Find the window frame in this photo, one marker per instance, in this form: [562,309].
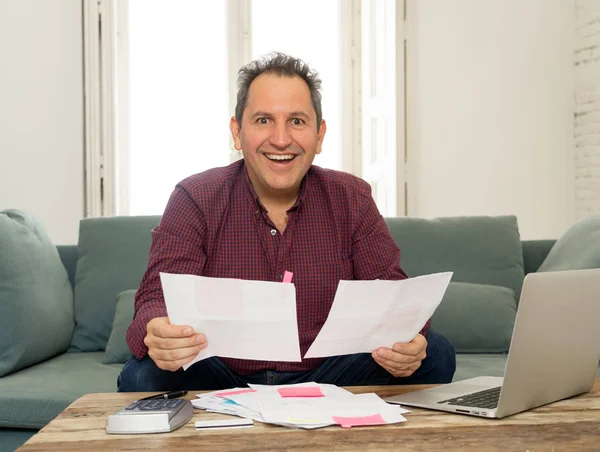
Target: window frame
[106,126]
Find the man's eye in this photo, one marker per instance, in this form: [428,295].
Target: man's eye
[297,121]
[263,121]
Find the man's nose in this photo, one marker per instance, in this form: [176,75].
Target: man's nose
[280,137]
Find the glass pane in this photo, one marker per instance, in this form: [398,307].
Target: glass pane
[297,29]
[178,96]
[378,132]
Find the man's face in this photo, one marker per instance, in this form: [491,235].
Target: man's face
[278,135]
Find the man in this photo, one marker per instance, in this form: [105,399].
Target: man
[270,212]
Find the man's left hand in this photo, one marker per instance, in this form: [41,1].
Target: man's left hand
[403,359]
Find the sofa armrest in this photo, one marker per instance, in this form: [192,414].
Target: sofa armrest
[534,253]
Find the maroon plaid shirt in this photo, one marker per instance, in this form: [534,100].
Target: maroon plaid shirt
[214,225]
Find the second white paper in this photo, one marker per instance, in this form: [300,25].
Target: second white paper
[240,318]
[366,315]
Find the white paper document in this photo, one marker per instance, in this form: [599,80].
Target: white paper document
[304,405]
[257,319]
[235,401]
[316,412]
[366,315]
[240,318]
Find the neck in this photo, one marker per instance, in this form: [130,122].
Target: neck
[279,203]
[276,200]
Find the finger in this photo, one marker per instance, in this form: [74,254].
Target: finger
[172,365]
[176,355]
[387,354]
[166,330]
[414,347]
[395,361]
[172,344]
[404,370]
[406,348]
[404,373]
[161,327]
[397,366]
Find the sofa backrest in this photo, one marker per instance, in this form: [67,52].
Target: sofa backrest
[68,255]
[112,255]
[534,252]
[477,249]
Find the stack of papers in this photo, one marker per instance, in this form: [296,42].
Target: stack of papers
[304,405]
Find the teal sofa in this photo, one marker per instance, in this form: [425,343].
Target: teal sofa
[486,254]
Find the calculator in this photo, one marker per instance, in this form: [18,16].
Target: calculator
[150,416]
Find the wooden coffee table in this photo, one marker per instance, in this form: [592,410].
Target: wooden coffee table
[572,424]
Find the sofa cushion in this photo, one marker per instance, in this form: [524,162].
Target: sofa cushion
[578,248]
[112,257]
[36,298]
[476,318]
[34,396]
[13,438]
[481,250]
[117,350]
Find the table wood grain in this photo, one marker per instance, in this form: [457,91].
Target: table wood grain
[571,425]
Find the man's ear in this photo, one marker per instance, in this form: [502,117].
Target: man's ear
[235,133]
[321,135]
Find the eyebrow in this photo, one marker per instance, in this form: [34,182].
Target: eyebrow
[293,114]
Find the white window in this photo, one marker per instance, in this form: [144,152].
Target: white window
[161,89]
[382,146]
[178,90]
[321,50]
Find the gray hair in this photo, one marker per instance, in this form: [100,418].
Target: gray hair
[281,65]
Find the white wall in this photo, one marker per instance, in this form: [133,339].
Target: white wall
[41,112]
[587,107]
[490,111]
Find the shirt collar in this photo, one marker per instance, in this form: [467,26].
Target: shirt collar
[256,200]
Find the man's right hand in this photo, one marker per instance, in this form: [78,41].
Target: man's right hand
[172,346]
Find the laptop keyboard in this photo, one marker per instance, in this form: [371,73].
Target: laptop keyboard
[482,399]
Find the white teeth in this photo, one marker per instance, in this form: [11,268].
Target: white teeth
[279,156]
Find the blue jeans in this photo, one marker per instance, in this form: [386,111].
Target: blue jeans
[347,370]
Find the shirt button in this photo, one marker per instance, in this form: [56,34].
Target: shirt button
[273,231]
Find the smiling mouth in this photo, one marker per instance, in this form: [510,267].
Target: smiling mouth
[280,157]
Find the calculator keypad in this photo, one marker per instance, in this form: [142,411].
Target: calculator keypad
[159,405]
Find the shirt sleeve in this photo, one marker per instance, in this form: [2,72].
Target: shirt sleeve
[375,253]
[177,247]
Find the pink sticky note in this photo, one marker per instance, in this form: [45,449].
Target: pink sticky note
[237,391]
[287,276]
[348,422]
[301,391]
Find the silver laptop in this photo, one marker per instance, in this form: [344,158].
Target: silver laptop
[554,351]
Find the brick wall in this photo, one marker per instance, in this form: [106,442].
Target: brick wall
[587,107]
